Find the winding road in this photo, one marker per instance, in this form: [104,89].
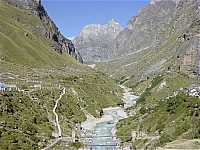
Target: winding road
[54,111]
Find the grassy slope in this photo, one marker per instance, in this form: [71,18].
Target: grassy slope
[28,60]
[171,119]
[22,125]
[140,65]
[133,72]
[32,50]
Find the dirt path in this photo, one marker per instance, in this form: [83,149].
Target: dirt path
[54,111]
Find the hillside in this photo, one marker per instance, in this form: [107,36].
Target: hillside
[172,119]
[35,74]
[162,61]
[23,43]
[162,37]
[60,43]
[157,55]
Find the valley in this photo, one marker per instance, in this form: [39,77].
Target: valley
[133,87]
[43,88]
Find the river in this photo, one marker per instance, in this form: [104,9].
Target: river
[100,129]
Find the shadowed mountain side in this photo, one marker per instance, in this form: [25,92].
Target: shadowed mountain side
[59,42]
[41,82]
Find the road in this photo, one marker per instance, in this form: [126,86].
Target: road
[54,111]
[52,144]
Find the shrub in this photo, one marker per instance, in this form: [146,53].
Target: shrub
[166,138]
[147,92]
[75,144]
[143,110]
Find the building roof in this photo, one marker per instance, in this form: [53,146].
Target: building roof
[11,85]
[2,85]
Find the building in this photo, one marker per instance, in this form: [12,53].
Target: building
[11,87]
[2,86]
[37,86]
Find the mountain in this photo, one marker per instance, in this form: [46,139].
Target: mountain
[157,55]
[156,1]
[60,43]
[95,40]
[163,36]
[38,75]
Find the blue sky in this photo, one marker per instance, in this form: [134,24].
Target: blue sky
[70,16]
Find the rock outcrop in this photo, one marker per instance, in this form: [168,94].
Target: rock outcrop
[60,43]
[155,1]
[95,40]
[161,37]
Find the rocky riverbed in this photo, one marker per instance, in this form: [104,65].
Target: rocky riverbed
[102,129]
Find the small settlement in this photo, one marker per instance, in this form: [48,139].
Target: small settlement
[8,87]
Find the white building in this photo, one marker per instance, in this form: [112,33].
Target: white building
[2,86]
[11,87]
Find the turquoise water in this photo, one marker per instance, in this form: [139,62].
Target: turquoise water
[104,129]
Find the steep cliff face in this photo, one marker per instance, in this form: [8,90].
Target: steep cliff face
[60,43]
[95,41]
[161,37]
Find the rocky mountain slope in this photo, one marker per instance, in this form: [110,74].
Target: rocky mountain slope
[35,75]
[162,37]
[157,55]
[95,41]
[59,42]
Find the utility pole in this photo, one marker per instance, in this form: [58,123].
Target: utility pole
[73,136]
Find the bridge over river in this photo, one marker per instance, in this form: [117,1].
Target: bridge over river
[87,141]
[98,134]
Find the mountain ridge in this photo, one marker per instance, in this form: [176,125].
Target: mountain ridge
[156,55]
[61,43]
[94,40]
[153,32]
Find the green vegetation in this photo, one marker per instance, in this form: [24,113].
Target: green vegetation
[27,120]
[159,113]
[173,118]
[85,93]
[125,126]
[75,144]
[121,80]
[70,145]
[170,118]
[147,92]
[22,41]
[27,60]
[24,124]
